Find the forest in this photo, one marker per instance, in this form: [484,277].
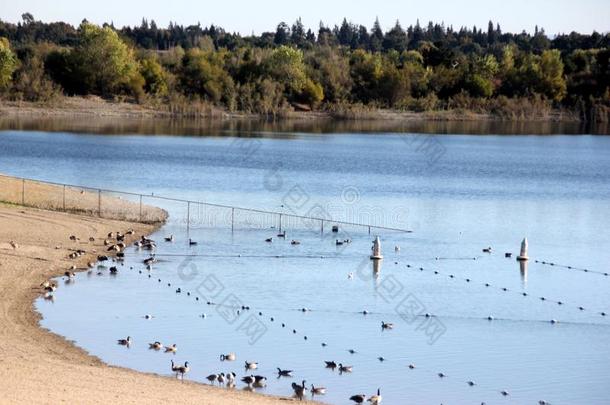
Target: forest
[344,69]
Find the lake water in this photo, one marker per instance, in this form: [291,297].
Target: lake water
[457,193]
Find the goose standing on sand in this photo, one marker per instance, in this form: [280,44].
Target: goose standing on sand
[125,342]
[376,399]
[231,379]
[260,381]
[182,370]
[317,390]
[299,390]
[212,378]
[221,378]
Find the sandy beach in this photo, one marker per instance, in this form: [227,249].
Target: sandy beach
[37,366]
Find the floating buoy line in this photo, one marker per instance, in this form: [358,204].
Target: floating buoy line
[565,266]
[505,289]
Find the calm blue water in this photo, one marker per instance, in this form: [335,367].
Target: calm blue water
[458,194]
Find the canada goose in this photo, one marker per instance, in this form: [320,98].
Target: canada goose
[114,270]
[46,284]
[91,265]
[338,242]
[130,232]
[471,383]
[227,357]
[171,349]
[249,380]
[412,366]
[102,258]
[376,399]
[192,242]
[442,375]
[317,390]
[299,390]
[284,373]
[330,364]
[148,316]
[508,255]
[50,288]
[269,240]
[221,378]
[155,346]
[124,342]
[487,250]
[13,245]
[295,242]
[73,238]
[260,381]
[212,378]
[358,398]
[169,238]
[182,370]
[385,325]
[231,378]
[251,365]
[70,274]
[504,392]
[111,235]
[120,237]
[345,369]
[352,351]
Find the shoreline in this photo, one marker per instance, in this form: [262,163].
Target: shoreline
[39,366]
[91,106]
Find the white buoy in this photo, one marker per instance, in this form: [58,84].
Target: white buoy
[376,250]
[523,254]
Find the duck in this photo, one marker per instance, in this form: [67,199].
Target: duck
[299,390]
[284,373]
[269,240]
[171,349]
[124,342]
[317,390]
[386,325]
[331,364]
[155,346]
[251,365]
[192,242]
[471,383]
[227,357]
[359,398]
[504,393]
[169,238]
[345,369]
[375,399]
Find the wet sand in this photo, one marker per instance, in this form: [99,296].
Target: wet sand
[37,366]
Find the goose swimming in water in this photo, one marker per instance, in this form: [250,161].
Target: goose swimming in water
[330,364]
[487,250]
[295,242]
[124,342]
[345,369]
[386,325]
[169,238]
[284,373]
[228,357]
[269,240]
[359,398]
[250,365]
[376,399]
[155,346]
[192,242]
[171,349]
[317,390]
[281,234]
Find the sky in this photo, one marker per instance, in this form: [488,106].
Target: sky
[252,16]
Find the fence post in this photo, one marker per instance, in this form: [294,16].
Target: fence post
[232,216]
[140,207]
[22,191]
[64,198]
[99,203]
[188,216]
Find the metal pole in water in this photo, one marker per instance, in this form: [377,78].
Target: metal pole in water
[322,226]
[369,230]
[232,216]
[280,222]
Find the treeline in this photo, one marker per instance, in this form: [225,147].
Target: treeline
[346,67]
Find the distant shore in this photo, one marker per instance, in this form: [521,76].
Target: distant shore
[97,107]
[38,366]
